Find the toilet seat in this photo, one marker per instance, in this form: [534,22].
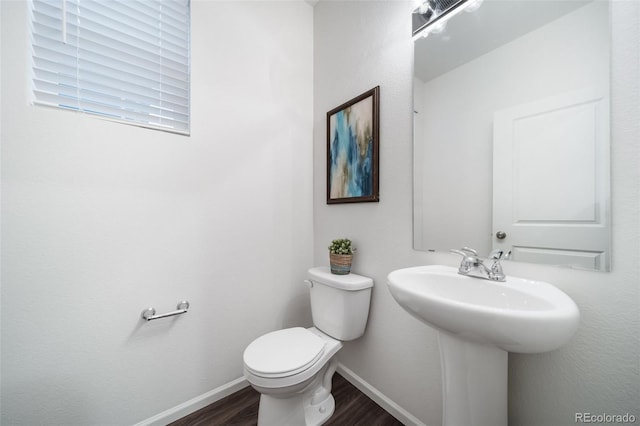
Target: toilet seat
[283,353]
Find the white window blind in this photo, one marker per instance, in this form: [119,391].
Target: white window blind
[126,60]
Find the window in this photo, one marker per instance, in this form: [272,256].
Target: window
[125,60]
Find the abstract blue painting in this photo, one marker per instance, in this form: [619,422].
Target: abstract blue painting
[352,150]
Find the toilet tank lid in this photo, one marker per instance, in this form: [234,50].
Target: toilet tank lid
[349,282]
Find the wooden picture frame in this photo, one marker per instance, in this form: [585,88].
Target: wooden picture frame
[353,150]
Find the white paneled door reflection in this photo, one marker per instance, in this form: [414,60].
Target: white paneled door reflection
[551,180]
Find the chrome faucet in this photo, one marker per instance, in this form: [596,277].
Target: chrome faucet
[472,266]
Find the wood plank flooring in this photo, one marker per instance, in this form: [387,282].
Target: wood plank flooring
[353,408]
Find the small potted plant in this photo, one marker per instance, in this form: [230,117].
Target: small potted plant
[340,256]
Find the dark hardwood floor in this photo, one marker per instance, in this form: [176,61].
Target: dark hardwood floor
[353,408]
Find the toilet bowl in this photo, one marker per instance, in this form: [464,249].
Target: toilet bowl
[292,368]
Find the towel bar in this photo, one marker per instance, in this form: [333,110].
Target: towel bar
[150,313]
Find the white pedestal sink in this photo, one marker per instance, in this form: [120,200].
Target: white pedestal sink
[478,322]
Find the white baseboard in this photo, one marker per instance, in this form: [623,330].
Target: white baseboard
[194,404]
[378,397]
[227,389]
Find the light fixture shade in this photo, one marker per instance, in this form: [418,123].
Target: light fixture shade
[433,11]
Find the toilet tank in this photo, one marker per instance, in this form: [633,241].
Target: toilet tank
[339,303]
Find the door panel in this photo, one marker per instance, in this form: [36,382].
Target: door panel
[547,212]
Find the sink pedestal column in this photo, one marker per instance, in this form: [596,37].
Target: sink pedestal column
[474,380]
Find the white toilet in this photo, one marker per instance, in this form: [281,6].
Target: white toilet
[292,368]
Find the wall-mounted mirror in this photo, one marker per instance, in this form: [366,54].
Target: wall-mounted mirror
[511,132]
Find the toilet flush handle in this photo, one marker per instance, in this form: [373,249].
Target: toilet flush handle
[309,283]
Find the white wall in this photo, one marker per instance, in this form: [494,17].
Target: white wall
[356,48]
[101,220]
[503,78]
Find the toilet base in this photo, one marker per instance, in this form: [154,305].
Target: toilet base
[313,405]
[319,413]
[294,411]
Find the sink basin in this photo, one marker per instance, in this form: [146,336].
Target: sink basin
[478,322]
[518,315]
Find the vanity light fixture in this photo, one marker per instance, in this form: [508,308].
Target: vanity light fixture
[473,5]
[431,16]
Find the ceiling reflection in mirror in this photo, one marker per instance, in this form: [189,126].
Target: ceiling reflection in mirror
[511,132]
